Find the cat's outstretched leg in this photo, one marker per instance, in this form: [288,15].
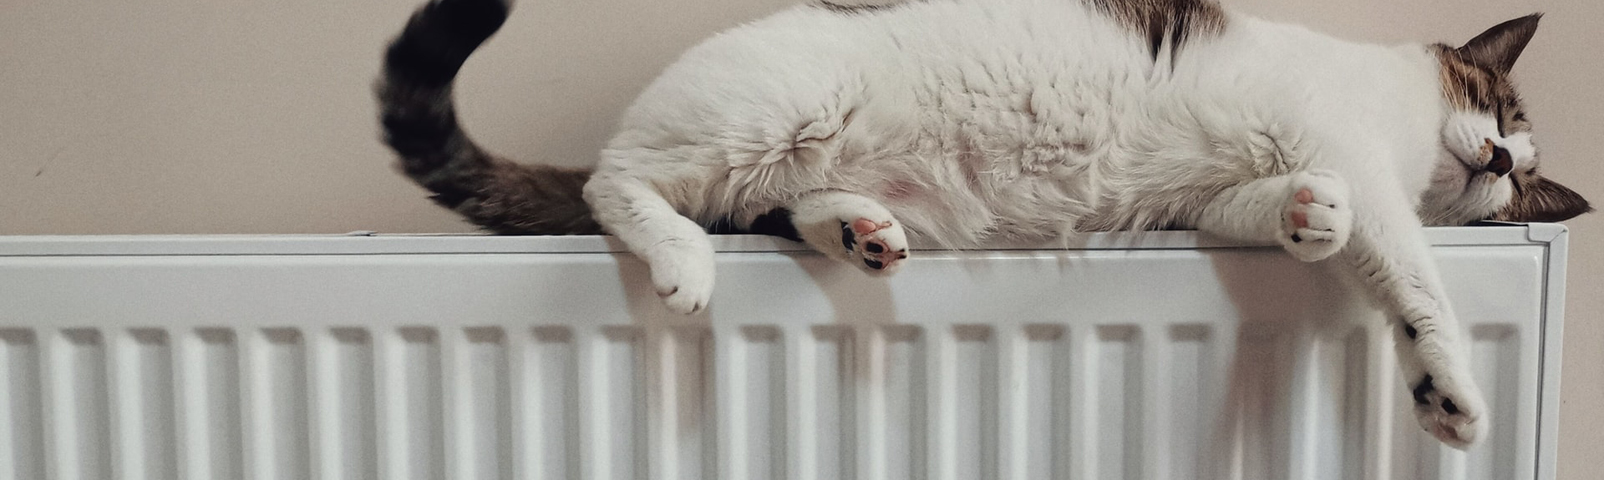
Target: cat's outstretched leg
[851,228]
[1376,233]
[678,251]
[1307,212]
[1389,252]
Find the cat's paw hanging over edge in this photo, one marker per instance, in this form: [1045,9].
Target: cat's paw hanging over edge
[684,281]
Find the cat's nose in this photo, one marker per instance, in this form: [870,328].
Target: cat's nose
[1501,163]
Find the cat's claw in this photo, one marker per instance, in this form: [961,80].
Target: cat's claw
[879,247]
[1316,221]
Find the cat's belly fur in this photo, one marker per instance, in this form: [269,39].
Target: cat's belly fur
[1051,120]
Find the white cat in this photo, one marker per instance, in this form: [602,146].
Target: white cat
[955,122]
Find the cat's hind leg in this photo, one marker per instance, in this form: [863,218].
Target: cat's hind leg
[1306,212]
[676,249]
[851,228]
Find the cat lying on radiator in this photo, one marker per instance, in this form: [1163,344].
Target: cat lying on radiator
[955,122]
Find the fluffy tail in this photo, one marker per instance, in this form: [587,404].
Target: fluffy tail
[420,124]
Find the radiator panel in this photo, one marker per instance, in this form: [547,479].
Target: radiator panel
[1094,363]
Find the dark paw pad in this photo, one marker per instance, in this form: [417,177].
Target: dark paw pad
[1448,406]
[1296,238]
[875,264]
[848,239]
[1422,389]
[874,247]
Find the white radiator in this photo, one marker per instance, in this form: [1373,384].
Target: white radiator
[1126,356]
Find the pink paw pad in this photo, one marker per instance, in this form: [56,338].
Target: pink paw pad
[1299,217]
[864,226]
[1304,196]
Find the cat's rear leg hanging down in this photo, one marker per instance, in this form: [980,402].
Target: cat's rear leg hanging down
[851,228]
[677,250]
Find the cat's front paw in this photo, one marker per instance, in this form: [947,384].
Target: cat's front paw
[877,247]
[684,279]
[1316,220]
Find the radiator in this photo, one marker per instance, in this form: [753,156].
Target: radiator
[1161,355]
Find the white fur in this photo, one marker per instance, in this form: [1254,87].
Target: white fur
[977,120]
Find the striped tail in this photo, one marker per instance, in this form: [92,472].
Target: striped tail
[420,124]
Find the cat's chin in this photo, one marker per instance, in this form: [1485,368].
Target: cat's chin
[1479,199]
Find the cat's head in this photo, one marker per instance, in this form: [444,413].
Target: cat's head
[1488,166]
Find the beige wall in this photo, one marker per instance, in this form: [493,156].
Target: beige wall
[190,116]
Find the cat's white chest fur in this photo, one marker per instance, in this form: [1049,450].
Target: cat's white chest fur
[970,120]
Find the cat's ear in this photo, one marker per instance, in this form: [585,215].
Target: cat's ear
[1538,199]
[1497,48]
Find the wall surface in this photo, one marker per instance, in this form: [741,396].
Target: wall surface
[188,116]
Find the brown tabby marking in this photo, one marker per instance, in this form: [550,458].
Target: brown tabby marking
[858,8]
[1473,88]
[1538,199]
[1166,21]
[1157,21]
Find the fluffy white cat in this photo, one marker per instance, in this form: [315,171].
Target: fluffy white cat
[951,123]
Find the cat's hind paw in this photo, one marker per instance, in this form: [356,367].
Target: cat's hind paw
[853,229]
[1316,221]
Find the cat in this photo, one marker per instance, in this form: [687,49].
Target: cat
[951,123]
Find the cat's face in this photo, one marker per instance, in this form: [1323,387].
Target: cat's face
[1487,167]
